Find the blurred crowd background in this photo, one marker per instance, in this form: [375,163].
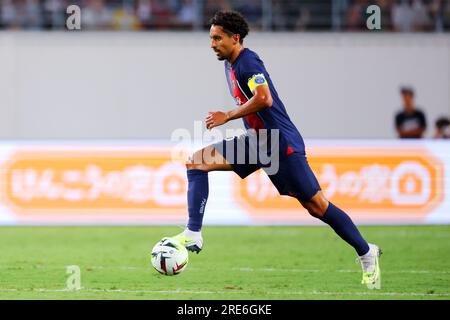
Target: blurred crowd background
[267,15]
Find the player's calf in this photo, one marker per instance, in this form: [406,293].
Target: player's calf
[198,166]
[337,219]
[317,206]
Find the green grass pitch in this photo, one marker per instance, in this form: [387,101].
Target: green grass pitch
[236,263]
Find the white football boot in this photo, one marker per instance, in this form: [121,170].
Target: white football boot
[370,263]
[192,240]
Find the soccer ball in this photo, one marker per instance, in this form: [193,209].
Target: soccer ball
[169,257]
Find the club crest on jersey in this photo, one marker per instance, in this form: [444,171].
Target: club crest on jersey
[260,80]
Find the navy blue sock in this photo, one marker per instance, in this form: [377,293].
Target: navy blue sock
[345,228]
[197,195]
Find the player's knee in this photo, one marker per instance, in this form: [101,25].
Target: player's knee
[195,166]
[314,211]
[316,207]
[196,162]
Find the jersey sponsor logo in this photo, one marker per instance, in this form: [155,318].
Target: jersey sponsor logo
[233,84]
[238,95]
[260,80]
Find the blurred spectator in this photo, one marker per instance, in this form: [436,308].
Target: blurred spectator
[442,126]
[252,11]
[422,21]
[32,17]
[211,7]
[124,18]
[410,15]
[304,19]
[22,14]
[356,16]
[386,14]
[186,14]
[402,17]
[96,15]
[285,15]
[436,10]
[314,15]
[446,17]
[411,122]
[7,14]
[55,13]
[144,12]
[163,14]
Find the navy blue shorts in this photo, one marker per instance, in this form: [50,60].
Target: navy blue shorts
[294,176]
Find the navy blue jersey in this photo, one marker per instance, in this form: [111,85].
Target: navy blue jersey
[244,75]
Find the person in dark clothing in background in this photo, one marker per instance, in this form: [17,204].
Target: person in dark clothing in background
[410,123]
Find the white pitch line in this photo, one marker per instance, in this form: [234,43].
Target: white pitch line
[362,293]
[404,234]
[8,290]
[116,267]
[403,271]
[241,269]
[65,266]
[179,291]
[247,269]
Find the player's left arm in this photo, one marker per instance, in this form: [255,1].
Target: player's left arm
[261,100]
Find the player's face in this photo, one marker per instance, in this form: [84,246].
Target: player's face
[222,43]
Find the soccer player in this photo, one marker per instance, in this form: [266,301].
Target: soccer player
[261,109]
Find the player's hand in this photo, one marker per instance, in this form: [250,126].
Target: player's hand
[215,119]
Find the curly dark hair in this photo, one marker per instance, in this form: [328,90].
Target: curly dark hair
[232,22]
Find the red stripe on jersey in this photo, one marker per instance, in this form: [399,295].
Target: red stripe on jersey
[289,150]
[253,120]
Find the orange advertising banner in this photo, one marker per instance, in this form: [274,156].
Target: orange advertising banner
[135,183]
[90,182]
[371,183]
